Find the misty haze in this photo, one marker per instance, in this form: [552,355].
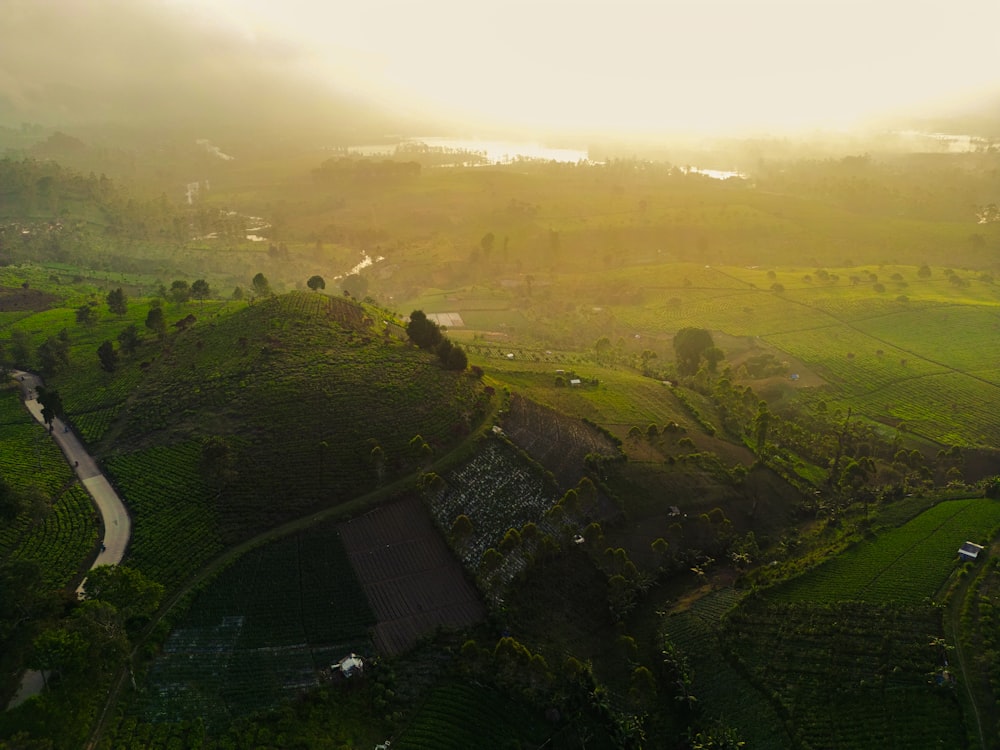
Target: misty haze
[396,376]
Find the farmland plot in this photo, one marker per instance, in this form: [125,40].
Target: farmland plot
[175,524]
[62,539]
[557,441]
[721,690]
[261,632]
[413,583]
[852,675]
[908,564]
[498,491]
[462,716]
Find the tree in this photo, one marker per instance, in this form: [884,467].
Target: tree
[20,346]
[156,322]
[238,293]
[51,402]
[355,285]
[108,356]
[457,359]
[53,354]
[924,271]
[423,332]
[217,461]
[486,244]
[200,290]
[316,283]
[128,339]
[713,355]
[59,650]
[180,291]
[261,286]
[86,315]
[689,345]
[117,301]
[135,596]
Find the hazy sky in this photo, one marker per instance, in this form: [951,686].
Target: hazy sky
[583,65]
[644,63]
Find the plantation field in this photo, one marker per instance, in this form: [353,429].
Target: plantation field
[62,538]
[949,408]
[413,583]
[261,632]
[303,391]
[558,442]
[459,716]
[621,399]
[849,675]
[906,565]
[720,690]
[498,491]
[174,520]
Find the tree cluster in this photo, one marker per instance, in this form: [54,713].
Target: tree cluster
[427,334]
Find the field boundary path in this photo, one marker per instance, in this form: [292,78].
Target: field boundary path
[114,517]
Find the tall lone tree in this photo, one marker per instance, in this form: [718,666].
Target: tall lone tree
[108,356]
[117,301]
[422,331]
[689,346]
[200,290]
[51,402]
[156,322]
[261,286]
[316,283]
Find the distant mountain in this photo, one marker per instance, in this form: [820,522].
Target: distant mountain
[144,65]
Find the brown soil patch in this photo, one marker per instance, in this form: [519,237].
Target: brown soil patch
[15,299]
[413,583]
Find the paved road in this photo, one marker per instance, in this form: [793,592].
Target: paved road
[116,521]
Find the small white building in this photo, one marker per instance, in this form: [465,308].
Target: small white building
[349,666]
[969,551]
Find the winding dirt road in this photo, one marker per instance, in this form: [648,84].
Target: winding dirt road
[114,517]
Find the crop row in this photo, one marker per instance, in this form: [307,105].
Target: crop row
[954,335]
[463,716]
[720,690]
[908,564]
[944,407]
[860,363]
[869,662]
[60,542]
[174,526]
[61,530]
[261,631]
[497,491]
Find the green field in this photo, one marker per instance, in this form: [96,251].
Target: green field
[849,675]
[262,631]
[457,716]
[65,533]
[907,565]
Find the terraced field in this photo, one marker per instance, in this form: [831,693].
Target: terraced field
[62,538]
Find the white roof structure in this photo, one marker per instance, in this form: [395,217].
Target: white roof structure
[350,665]
[970,550]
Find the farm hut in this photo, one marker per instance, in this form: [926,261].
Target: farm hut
[969,551]
[574,381]
[350,665]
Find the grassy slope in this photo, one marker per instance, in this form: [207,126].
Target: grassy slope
[299,386]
